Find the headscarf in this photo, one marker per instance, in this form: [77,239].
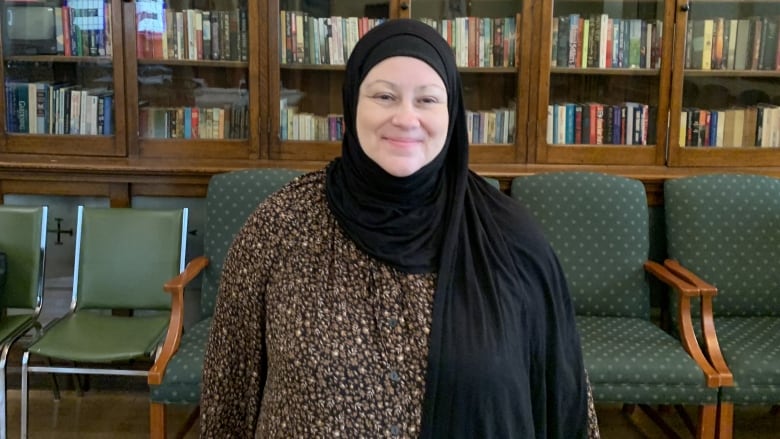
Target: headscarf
[445,219]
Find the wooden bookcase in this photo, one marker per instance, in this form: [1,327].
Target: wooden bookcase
[491,85]
[92,68]
[512,98]
[725,79]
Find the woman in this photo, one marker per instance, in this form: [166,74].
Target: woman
[395,293]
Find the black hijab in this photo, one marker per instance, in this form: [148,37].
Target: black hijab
[498,283]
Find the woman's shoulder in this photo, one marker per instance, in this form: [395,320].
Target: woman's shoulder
[298,194]
[294,205]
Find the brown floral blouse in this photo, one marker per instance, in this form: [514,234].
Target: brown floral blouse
[311,337]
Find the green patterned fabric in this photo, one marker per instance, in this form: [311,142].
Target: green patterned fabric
[181,383]
[598,226]
[726,229]
[230,199]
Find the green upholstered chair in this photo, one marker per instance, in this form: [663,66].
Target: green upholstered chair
[493,182]
[175,377]
[23,240]
[123,258]
[598,227]
[723,234]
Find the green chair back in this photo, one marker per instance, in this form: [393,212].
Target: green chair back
[23,239]
[124,256]
[231,198]
[597,225]
[726,228]
[493,182]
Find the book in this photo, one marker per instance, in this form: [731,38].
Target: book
[707,48]
[742,44]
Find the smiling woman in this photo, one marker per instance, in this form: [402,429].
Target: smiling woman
[395,293]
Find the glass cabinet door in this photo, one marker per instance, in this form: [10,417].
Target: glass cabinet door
[605,82]
[486,40]
[61,63]
[315,38]
[192,61]
[728,110]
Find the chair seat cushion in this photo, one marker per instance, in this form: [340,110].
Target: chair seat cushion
[90,337]
[751,347]
[182,380]
[631,360]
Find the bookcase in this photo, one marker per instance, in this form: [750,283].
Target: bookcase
[170,92]
[725,108]
[63,71]
[604,79]
[315,38]
[195,87]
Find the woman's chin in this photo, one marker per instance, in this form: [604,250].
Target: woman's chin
[401,168]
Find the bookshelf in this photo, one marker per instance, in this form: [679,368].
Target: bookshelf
[604,78]
[262,102]
[194,86]
[725,108]
[487,38]
[50,74]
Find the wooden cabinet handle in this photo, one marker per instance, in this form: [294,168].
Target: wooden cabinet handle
[404,6]
[686,7]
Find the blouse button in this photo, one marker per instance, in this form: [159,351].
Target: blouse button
[395,430]
[394,376]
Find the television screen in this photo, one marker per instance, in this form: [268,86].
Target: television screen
[30,22]
[30,30]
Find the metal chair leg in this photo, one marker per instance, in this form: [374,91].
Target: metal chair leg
[24,395]
[3,398]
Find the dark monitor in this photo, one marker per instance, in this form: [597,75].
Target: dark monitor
[29,30]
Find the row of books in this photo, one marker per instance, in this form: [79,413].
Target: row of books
[480,41]
[305,39]
[733,44]
[226,122]
[83,28]
[629,123]
[753,126]
[190,34]
[601,41]
[476,41]
[295,125]
[58,108]
[494,126]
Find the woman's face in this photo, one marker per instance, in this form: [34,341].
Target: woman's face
[402,115]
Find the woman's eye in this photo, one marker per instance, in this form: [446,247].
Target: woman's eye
[383,96]
[429,100]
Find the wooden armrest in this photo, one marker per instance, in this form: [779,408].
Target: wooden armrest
[686,290]
[705,288]
[680,284]
[707,292]
[170,345]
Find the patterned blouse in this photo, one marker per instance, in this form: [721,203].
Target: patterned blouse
[311,337]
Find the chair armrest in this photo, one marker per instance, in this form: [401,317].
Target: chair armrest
[685,291]
[708,291]
[170,345]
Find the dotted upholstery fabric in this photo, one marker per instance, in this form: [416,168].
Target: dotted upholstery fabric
[726,229]
[230,199]
[598,226]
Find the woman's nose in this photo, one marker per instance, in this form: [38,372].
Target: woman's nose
[406,115]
